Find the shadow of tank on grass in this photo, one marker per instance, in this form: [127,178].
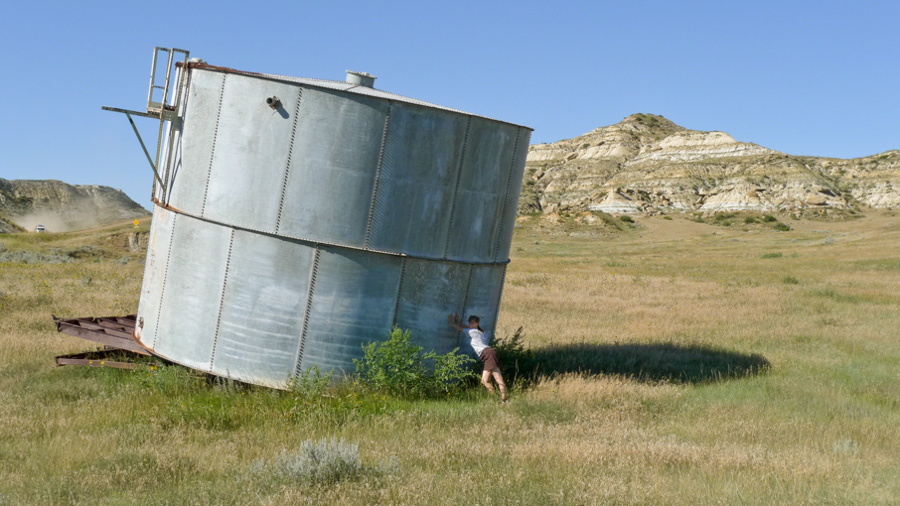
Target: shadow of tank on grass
[655,362]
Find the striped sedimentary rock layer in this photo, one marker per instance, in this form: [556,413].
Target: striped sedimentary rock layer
[647,164]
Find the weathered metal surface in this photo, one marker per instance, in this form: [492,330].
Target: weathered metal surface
[291,235]
[113,331]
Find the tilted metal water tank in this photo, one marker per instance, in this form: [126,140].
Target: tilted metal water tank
[297,219]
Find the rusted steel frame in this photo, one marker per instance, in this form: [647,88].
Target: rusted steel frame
[97,326]
[206,66]
[95,363]
[116,334]
[100,358]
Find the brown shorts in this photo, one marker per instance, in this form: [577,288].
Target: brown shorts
[489,357]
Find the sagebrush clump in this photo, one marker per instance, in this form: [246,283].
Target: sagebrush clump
[327,461]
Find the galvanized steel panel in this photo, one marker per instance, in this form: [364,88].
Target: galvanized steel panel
[252,151]
[482,186]
[158,247]
[332,173]
[416,181]
[353,301]
[510,204]
[193,157]
[189,310]
[429,291]
[262,308]
[483,296]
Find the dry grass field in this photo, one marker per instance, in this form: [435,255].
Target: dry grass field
[677,363]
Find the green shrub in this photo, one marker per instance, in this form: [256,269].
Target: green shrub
[667,218]
[781,227]
[749,220]
[768,218]
[515,359]
[774,254]
[790,280]
[29,257]
[310,383]
[399,367]
[627,219]
[609,220]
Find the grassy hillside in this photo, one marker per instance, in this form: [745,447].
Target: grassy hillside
[678,362]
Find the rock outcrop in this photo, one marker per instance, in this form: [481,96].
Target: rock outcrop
[647,164]
[61,207]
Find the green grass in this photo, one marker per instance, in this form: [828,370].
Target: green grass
[675,363]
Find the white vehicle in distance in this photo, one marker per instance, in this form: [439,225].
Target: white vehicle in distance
[40,228]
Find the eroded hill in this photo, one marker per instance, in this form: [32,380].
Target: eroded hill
[61,207]
[648,164]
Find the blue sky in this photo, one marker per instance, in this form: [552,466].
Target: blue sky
[805,78]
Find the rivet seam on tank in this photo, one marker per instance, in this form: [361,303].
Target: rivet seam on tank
[465,302]
[459,169]
[290,157]
[212,355]
[162,289]
[212,152]
[509,174]
[497,304]
[322,243]
[309,295]
[399,291]
[387,122]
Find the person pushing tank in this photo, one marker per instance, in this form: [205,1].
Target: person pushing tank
[487,354]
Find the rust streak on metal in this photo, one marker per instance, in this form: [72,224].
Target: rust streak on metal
[167,206]
[206,66]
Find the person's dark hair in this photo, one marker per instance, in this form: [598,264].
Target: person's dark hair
[473,318]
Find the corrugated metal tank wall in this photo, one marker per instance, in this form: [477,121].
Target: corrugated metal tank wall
[292,236]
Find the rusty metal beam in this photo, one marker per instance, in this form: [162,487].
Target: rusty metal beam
[113,331]
[95,363]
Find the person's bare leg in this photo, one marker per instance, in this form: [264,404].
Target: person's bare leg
[486,381]
[498,377]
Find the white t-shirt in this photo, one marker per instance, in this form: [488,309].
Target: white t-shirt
[477,340]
